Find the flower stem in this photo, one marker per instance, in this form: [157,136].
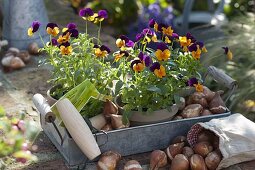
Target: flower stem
[98,34]
[86,27]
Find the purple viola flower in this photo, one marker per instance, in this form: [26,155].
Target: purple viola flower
[66,44]
[151,23]
[54,42]
[193,47]
[154,66]
[51,25]
[200,44]
[147,31]
[175,35]
[105,48]
[190,36]
[96,46]
[133,62]
[225,50]
[147,60]
[86,12]
[35,26]
[140,56]
[192,81]
[125,53]
[125,38]
[162,46]
[130,43]
[102,14]
[71,26]
[74,33]
[139,37]
[160,26]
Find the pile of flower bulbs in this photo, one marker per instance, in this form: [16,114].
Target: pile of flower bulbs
[202,103]
[205,155]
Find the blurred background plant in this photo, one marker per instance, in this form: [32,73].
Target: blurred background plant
[241,41]
[16,136]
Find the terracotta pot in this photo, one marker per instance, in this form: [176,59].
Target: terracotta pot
[143,118]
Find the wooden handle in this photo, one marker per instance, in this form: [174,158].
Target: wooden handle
[78,128]
[43,108]
[221,77]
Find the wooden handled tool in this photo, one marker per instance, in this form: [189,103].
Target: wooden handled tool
[44,108]
[78,128]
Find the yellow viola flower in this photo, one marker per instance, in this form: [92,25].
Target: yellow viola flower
[199,87]
[52,29]
[120,43]
[167,40]
[184,41]
[162,55]
[66,50]
[228,53]
[167,31]
[101,51]
[34,27]
[196,54]
[161,72]
[137,65]
[64,38]
[154,38]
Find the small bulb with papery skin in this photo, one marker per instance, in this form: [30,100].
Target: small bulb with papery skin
[109,108]
[203,148]
[197,162]
[180,162]
[117,122]
[213,160]
[179,139]
[108,161]
[158,159]
[187,151]
[174,149]
[133,165]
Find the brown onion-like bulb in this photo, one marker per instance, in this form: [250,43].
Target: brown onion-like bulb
[197,162]
[203,148]
[133,165]
[174,149]
[108,160]
[179,139]
[213,159]
[187,151]
[180,162]
[158,159]
[192,110]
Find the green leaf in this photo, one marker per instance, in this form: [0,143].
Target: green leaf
[177,99]
[118,86]
[154,89]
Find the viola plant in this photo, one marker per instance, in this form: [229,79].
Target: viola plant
[16,135]
[76,56]
[151,78]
